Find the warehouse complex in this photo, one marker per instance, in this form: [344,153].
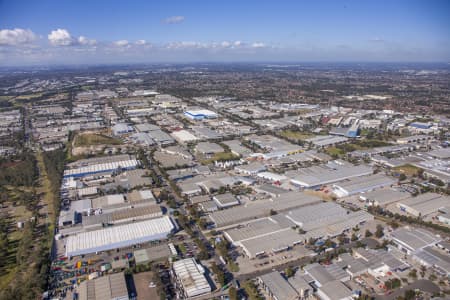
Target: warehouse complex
[276,233]
[262,208]
[119,236]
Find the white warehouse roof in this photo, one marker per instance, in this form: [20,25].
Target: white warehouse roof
[118,236]
[191,277]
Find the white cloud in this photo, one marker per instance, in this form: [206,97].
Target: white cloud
[258,45]
[121,43]
[60,37]
[141,42]
[174,20]
[17,36]
[82,40]
[225,44]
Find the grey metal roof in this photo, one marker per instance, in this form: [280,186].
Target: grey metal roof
[335,290]
[278,286]
[414,239]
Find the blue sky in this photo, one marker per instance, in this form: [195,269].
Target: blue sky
[94,31]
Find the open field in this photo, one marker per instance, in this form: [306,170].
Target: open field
[93,139]
[295,135]
[408,170]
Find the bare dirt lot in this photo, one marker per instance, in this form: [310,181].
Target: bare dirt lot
[141,282]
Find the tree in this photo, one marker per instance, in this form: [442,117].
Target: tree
[413,273]
[289,272]
[232,293]
[379,233]
[368,233]
[402,177]
[354,237]
[409,295]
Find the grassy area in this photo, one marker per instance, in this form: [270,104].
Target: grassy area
[48,196]
[333,151]
[408,170]
[29,96]
[93,139]
[295,135]
[6,277]
[222,156]
[364,144]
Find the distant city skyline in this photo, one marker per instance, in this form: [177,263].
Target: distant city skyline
[102,32]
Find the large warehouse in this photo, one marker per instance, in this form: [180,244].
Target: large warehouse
[190,278]
[82,171]
[361,184]
[118,236]
[200,114]
[423,204]
[317,176]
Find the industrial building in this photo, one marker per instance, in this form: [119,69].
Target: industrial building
[121,128]
[431,257]
[225,200]
[190,278]
[361,184]
[106,287]
[200,114]
[208,148]
[275,233]
[412,240]
[261,208]
[154,253]
[333,171]
[92,169]
[423,204]
[184,136]
[322,141]
[252,168]
[334,290]
[122,216]
[119,236]
[277,287]
[383,197]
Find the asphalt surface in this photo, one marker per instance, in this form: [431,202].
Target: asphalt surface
[423,285]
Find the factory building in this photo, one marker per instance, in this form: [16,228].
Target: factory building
[361,184]
[119,236]
[108,287]
[277,287]
[82,171]
[423,204]
[200,114]
[190,279]
[317,176]
[412,240]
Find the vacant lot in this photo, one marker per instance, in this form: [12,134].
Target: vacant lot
[93,139]
[408,170]
[295,135]
[143,291]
